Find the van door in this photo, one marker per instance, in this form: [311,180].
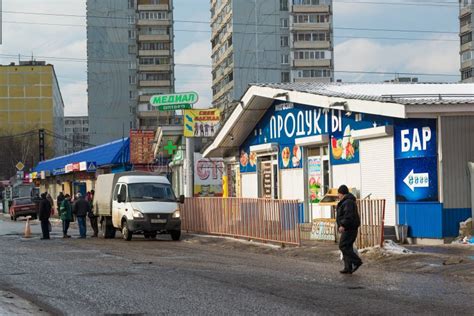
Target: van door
[116,214]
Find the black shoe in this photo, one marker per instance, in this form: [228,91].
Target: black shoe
[345,271]
[356,266]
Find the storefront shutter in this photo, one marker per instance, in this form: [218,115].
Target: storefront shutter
[378,173]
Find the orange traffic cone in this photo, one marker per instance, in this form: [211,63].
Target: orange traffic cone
[27,229]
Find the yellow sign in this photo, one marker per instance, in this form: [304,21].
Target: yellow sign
[19,166]
[201,123]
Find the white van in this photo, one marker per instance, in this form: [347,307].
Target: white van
[138,204]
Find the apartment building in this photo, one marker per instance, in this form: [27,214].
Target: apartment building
[269,41]
[130,58]
[466,20]
[76,131]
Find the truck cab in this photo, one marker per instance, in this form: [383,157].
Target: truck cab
[145,204]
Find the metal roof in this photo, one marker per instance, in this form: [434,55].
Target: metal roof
[112,153]
[402,93]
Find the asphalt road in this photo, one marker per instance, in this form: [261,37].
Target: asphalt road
[141,277]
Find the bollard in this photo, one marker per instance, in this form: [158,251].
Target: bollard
[27,229]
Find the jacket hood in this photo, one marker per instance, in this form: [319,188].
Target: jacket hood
[349,196]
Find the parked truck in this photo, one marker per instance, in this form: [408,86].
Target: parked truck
[136,203]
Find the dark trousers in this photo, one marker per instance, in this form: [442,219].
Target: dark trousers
[346,244]
[95,226]
[81,221]
[65,226]
[45,228]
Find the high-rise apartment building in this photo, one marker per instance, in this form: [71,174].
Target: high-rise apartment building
[269,41]
[76,131]
[466,20]
[130,58]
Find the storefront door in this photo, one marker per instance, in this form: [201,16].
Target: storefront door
[317,177]
[268,177]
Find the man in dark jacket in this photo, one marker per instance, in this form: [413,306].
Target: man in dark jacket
[44,214]
[348,222]
[81,208]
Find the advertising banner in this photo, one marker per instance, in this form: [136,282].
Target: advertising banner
[201,123]
[314,179]
[208,176]
[141,147]
[416,160]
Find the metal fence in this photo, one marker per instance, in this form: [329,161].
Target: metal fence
[260,219]
[372,217]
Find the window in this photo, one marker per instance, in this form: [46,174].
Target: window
[154,61]
[284,23]
[132,79]
[116,192]
[311,2]
[132,49]
[132,34]
[154,76]
[131,4]
[140,192]
[312,37]
[466,20]
[311,18]
[131,19]
[153,15]
[466,38]
[310,54]
[132,65]
[285,59]
[466,74]
[284,41]
[132,94]
[313,73]
[465,3]
[283,5]
[154,46]
[285,76]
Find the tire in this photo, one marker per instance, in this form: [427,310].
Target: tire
[126,233]
[153,235]
[175,235]
[106,228]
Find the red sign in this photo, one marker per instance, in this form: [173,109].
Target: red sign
[141,146]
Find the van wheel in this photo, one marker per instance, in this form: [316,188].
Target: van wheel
[175,235]
[126,233]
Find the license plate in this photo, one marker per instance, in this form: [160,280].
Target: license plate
[158,221]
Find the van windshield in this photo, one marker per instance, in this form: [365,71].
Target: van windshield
[139,192]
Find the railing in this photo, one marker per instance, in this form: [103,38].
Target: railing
[372,217]
[259,219]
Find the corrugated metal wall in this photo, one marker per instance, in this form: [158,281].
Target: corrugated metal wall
[458,150]
[424,220]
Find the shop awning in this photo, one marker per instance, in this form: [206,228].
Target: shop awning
[113,153]
[384,99]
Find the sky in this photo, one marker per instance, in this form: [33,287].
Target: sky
[360,55]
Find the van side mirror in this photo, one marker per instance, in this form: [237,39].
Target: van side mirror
[181,199]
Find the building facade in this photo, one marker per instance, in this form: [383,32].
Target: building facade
[30,100]
[130,58]
[76,130]
[466,20]
[269,41]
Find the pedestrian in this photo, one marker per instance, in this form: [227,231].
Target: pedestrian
[59,199]
[51,202]
[91,215]
[348,222]
[44,214]
[81,209]
[65,213]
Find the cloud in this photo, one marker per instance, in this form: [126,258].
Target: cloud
[75,98]
[428,57]
[192,78]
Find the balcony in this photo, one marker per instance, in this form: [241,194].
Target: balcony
[164,67]
[311,9]
[312,45]
[223,40]
[465,11]
[153,7]
[143,22]
[222,24]
[164,38]
[466,28]
[310,27]
[164,52]
[467,64]
[223,91]
[312,63]
[155,83]
[227,70]
[466,47]
[144,98]
[321,79]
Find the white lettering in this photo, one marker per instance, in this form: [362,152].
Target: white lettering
[280,125]
[416,145]
[288,133]
[426,136]
[300,124]
[317,116]
[405,142]
[326,126]
[272,127]
[336,122]
[308,119]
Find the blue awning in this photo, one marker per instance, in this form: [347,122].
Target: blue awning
[113,153]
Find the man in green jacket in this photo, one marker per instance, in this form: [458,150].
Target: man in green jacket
[65,213]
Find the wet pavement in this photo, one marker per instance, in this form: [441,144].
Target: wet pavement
[207,276]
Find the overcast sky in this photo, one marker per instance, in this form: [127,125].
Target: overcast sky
[27,35]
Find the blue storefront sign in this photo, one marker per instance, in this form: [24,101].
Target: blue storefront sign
[285,122]
[416,160]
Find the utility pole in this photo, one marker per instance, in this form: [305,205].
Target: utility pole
[41,144]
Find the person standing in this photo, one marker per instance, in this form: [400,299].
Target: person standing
[65,213]
[348,222]
[59,199]
[44,215]
[91,215]
[81,209]
[50,200]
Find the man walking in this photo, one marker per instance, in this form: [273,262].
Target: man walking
[44,214]
[81,208]
[91,215]
[65,213]
[348,222]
